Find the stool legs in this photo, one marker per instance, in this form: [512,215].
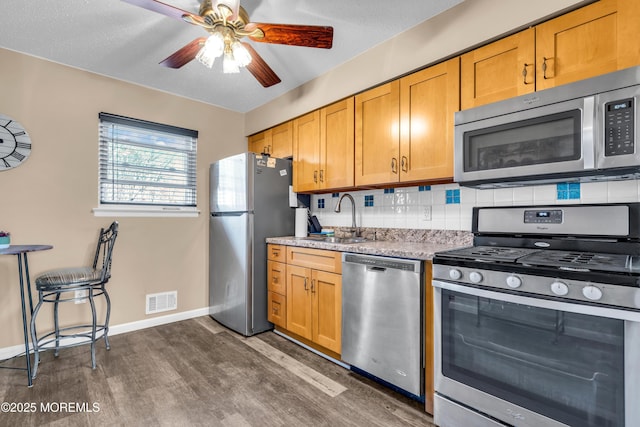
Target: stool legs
[93,329]
[106,321]
[56,325]
[34,336]
[90,332]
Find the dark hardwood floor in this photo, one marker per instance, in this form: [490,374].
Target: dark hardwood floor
[198,373]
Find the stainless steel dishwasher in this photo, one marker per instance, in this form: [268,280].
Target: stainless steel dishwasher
[382,319]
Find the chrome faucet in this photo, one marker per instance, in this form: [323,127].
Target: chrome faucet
[354,229]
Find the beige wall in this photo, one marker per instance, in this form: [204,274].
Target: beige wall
[49,199]
[461,27]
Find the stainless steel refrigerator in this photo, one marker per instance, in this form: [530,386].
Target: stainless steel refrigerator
[249,202]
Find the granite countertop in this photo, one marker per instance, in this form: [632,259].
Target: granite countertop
[422,250]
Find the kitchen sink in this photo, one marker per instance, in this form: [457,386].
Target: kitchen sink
[345,240]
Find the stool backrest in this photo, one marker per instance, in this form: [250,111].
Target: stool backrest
[104,251]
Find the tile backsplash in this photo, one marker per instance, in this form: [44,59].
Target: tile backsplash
[449,206]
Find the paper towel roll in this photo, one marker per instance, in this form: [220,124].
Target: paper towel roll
[301,222]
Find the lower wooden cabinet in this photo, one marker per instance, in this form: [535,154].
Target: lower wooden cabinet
[305,295]
[314,306]
[276,285]
[277,306]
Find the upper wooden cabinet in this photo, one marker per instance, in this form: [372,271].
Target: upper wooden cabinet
[323,148]
[276,141]
[377,141]
[428,101]
[596,39]
[500,70]
[404,129]
[337,145]
[306,154]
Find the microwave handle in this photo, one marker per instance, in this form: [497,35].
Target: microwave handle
[589,132]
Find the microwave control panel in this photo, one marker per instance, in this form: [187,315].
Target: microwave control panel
[619,127]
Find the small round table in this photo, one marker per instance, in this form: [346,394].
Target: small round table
[23,272]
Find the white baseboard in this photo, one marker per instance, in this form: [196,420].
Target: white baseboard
[16,350]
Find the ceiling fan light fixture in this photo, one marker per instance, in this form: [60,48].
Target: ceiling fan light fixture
[240,54]
[229,64]
[213,48]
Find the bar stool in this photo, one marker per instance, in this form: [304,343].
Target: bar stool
[60,285]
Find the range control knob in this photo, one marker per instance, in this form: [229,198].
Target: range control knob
[455,274]
[559,288]
[475,277]
[514,282]
[591,292]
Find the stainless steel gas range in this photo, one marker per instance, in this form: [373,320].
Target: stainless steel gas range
[538,324]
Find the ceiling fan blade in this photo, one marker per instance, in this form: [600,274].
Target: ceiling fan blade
[260,70]
[293,35]
[166,9]
[184,55]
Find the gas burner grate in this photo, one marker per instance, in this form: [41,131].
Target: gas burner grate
[489,253]
[585,260]
[577,258]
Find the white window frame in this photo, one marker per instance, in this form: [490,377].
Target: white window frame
[182,142]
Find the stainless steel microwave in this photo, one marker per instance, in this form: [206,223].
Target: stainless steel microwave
[582,131]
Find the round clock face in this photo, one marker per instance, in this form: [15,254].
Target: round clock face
[15,144]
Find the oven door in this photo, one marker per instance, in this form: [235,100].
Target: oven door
[550,141]
[533,362]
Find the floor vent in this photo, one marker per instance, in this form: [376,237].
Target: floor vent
[165,301]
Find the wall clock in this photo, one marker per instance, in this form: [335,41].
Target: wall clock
[15,144]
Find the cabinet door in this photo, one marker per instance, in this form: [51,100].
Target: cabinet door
[337,145]
[277,277]
[326,290]
[306,156]
[499,70]
[299,301]
[260,142]
[277,309]
[378,135]
[581,44]
[428,101]
[282,140]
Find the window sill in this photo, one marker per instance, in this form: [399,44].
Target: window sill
[146,211]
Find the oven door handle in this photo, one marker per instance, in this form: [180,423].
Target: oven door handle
[570,307]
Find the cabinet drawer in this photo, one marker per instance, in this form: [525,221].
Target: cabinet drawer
[277,309]
[276,253]
[276,277]
[318,259]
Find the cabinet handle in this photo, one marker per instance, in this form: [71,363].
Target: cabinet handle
[394,165]
[321,175]
[305,284]
[544,68]
[404,164]
[315,176]
[524,74]
[313,286]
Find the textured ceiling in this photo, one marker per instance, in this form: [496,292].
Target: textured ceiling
[126,42]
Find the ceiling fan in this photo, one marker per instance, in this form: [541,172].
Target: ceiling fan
[227,23]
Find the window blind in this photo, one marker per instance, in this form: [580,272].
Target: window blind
[146,163]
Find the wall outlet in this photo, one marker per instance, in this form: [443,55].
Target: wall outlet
[81,296]
[426,213]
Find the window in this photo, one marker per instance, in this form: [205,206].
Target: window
[145,167]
